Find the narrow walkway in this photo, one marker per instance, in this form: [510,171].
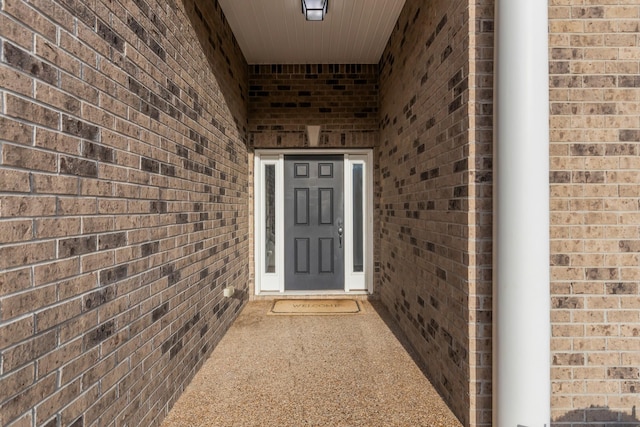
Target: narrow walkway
[342,370]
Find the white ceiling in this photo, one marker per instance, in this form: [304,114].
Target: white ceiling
[275,31]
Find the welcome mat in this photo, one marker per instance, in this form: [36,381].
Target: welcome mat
[314,307]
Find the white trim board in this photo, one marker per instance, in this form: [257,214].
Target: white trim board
[274,283]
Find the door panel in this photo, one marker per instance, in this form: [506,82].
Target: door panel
[314,209]
[326,205]
[302,255]
[326,254]
[301,206]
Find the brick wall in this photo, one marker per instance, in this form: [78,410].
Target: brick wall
[284,99]
[123,205]
[480,209]
[426,166]
[124,198]
[595,243]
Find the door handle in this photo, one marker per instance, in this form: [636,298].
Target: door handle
[340,230]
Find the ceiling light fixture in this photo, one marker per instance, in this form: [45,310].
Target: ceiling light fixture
[314,10]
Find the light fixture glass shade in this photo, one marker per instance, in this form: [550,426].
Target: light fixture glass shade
[314,10]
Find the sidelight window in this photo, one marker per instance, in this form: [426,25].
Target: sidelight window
[270,218]
[358,217]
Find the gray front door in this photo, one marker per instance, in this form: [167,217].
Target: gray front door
[314,222]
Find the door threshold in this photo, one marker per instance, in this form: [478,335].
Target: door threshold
[311,293]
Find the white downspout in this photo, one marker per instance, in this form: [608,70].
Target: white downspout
[521,298]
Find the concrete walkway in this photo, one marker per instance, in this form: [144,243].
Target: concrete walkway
[341,370]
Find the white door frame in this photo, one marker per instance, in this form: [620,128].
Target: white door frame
[273,283]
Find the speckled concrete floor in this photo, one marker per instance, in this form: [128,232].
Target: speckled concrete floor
[345,370]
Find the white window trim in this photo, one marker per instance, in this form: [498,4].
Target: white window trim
[268,281]
[273,283]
